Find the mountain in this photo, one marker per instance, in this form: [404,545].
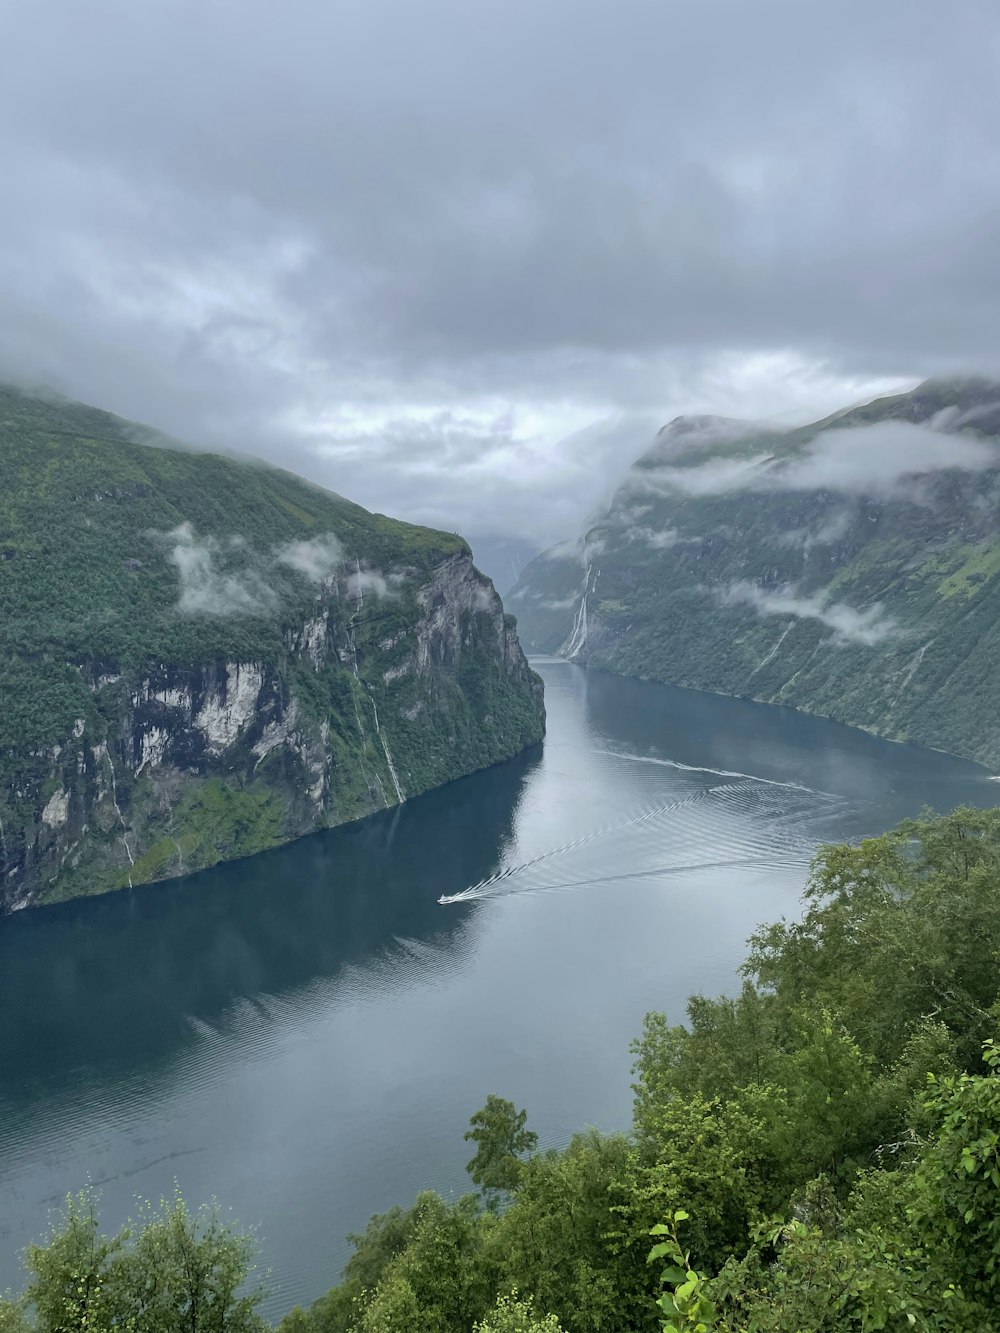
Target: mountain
[501,558]
[850,567]
[202,657]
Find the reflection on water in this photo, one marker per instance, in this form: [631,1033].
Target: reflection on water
[104,984]
[304,1035]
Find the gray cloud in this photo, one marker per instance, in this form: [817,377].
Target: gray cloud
[417,252]
[868,626]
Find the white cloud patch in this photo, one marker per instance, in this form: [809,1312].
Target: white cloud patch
[362,583]
[659,541]
[876,460]
[716,477]
[583,551]
[316,558]
[227,578]
[849,625]
[207,587]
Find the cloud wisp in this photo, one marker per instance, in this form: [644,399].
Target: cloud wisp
[207,585]
[229,578]
[365,582]
[317,559]
[866,627]
[878,462]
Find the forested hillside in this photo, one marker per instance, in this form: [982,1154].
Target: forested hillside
[849,567]
[203,657]
[819,1152]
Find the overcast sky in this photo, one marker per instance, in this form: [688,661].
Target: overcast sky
[458,258]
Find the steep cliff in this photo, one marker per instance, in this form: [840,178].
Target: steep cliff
[202,658]
[850,567]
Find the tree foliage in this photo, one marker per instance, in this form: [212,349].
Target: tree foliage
[498,1131]
[171,1272]
[819,1152]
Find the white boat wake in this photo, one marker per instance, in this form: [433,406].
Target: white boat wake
[749,822]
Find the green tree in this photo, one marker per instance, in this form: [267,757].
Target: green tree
[75,1275]
[12,1317]
[187,1272]
[501,1139]
[555,1240]
[172,1273]
[513,1315]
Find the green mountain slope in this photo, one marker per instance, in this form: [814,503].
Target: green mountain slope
[201,657]
[849,568]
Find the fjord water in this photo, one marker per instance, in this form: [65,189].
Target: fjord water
[304,1035]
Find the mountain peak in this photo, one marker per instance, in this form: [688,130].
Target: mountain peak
[684,427]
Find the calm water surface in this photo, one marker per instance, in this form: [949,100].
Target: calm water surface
[304,1035]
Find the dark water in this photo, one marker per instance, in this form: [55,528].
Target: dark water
[304,1035]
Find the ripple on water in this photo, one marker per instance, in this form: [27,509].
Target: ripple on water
[737,823]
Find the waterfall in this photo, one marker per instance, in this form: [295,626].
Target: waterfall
[388,757]
[577,640]
[118,810]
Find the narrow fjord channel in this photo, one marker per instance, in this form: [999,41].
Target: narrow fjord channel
[304,1035]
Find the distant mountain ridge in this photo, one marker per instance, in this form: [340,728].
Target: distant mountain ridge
[201,657]
[849,567]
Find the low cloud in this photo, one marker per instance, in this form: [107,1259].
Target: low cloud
[228,578]
[849,625]
[659,541]
[583,551]
[716,477]
[832,530]
[362,583]
[316,558]
[568,550]
[878,462]
[207,587]
[688,434]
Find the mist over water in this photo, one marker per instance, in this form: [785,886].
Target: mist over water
[304,1035]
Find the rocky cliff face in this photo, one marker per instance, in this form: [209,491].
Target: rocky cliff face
[218,728]
[850,567]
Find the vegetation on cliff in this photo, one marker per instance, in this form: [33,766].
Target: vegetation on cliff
[203,657]
[850,567]
[820,1151]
